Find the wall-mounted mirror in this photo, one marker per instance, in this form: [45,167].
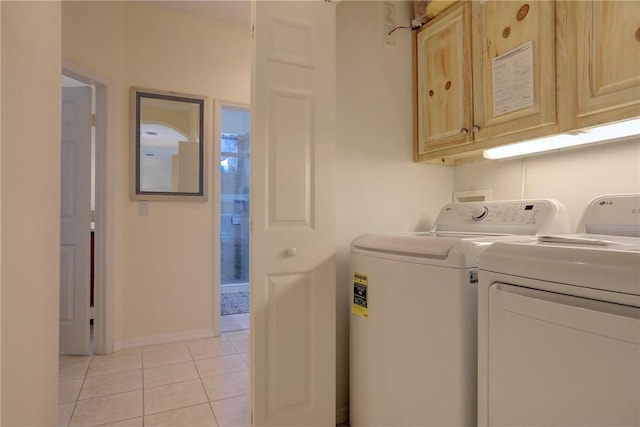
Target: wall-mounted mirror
[168,146]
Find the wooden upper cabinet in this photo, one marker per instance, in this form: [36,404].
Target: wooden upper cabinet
[485,75]
[443,81]
[491,73]
[514,68]
[604,53]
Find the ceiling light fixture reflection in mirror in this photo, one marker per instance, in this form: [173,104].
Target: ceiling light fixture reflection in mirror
[168,146]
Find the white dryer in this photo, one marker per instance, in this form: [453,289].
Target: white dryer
[559,324]
[414,309]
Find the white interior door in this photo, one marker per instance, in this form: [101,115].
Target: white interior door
[75,220]
[293,214]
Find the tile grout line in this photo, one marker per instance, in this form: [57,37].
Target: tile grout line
[173,410]
[215,418]
[84,378]
[142,364]
[102,396]
[119,421]
[109,394]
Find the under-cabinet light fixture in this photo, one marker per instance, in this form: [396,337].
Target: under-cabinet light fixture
[608,132]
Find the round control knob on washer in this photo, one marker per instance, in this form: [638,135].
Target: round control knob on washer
[479,213]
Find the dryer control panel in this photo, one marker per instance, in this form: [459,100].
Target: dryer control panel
[522,217]
[612,214]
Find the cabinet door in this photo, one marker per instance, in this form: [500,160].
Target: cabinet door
[514,63]
[604,50]
[443,64]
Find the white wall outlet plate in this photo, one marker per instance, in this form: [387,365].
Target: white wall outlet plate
[388,23]
[389,14]
[143,208]
[388,39]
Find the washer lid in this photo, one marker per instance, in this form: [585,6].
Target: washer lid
[604,262]
[424,245]
[456,250]
[463,230]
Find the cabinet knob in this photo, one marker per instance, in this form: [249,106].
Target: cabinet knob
[464,131]
[638,34]
[291,252]
[475,129]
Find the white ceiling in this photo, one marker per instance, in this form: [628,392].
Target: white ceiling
[235,12]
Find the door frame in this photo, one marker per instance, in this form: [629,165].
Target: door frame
[103,331]
[219,104]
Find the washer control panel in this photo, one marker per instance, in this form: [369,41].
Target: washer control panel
[526,217]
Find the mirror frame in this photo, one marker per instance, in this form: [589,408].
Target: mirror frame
[135,192]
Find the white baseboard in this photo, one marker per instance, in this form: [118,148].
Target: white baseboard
[342,415]
[164,338]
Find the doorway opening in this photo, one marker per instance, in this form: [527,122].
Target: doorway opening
[234,220]
[77,218]
[85,300]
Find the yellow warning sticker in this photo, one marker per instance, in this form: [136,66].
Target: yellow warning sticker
[359,305]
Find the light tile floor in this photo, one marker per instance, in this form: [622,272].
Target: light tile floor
[234,322]
[192,383]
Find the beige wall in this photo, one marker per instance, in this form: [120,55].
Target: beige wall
[169,257]
[379,188]
[574,177]
[97,46]
[30,211]
[162,263]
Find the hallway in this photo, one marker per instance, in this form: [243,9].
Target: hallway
[192,383]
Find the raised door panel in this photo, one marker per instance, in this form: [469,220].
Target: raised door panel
[443,64]
[293,214]
[514,63]
[606,54]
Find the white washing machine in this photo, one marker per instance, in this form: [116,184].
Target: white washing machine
[413,322]
[559,324]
